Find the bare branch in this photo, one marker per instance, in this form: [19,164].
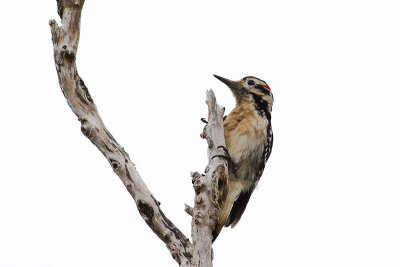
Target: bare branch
[211,188]
[189,210]
[65,44]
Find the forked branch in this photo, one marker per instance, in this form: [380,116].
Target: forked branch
[210,188]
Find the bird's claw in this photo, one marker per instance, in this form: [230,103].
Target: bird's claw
[224,149]
[227,157]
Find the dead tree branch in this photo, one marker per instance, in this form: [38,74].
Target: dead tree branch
[210,188]
[65,44]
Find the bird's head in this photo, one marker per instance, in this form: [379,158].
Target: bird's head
[249,88]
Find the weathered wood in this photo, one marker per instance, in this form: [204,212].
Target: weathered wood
[65,44]
[210,189]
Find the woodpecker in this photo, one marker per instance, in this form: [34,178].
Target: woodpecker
[248,138]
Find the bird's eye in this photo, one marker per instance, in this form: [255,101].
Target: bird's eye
[251,82]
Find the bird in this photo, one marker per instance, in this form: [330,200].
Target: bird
[249,138]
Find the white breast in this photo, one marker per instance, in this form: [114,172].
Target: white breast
[246,145]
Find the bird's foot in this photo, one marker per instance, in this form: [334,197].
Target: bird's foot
[231,164]
[224,149]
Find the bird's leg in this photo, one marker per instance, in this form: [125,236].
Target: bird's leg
[231,164]
[224,149]
[227,156]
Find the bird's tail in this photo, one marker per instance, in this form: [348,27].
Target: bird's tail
[222,218]
[233,194]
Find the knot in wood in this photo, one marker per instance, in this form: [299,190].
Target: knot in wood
[199,199]
[210,144]
[167,236]
[68,52]
[197,185]
[197,216]
[86,128]
[220,185]
[175,254]
[114,164]
[197,181]
[146,210]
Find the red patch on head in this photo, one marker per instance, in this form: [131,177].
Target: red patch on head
[266,85]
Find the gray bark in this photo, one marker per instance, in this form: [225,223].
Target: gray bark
[210,189]
[208,197]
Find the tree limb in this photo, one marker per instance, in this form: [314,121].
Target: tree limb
[211,188]
[65,44]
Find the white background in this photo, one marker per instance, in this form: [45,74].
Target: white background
[330,193]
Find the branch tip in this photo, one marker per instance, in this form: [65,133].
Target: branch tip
[189,210]
[53,22]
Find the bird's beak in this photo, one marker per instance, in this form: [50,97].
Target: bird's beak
[234,86]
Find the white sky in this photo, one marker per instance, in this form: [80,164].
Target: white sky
[330,192]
